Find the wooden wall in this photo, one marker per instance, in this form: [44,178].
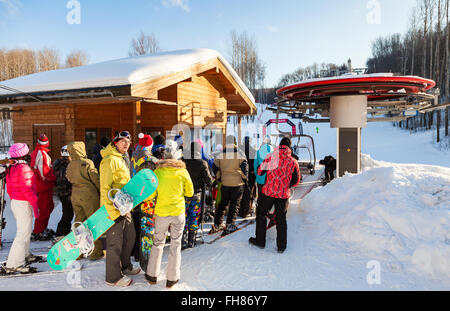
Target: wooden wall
[200,93]
[190,95]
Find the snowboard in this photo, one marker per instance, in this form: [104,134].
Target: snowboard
[147,229]
[65,252]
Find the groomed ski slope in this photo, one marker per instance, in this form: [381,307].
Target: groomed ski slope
[394,213]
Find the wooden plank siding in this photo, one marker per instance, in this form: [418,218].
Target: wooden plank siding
[23,122]
[201,103]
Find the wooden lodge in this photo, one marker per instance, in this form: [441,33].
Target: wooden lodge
[142,94]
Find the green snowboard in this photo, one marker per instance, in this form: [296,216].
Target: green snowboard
[65,252]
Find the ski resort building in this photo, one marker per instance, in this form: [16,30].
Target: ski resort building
[151,94]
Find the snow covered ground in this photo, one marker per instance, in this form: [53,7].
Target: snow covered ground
[384,229]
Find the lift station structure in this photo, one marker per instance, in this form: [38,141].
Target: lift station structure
[348,102]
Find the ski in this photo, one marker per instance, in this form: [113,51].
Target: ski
[241,225]
[40,273]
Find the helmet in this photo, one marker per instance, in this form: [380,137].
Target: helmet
[64,152]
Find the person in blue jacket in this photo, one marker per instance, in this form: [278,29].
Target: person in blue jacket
[265,150]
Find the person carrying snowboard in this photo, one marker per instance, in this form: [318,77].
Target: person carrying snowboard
[201,177]
[24,203]
[174,184]
[45,180]
[282,173]
[114,174]
[64,191]
[85,180]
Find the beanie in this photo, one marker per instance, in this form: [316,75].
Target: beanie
[18,150]
[145,140]
[43,140]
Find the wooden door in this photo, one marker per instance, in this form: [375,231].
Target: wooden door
[56,137]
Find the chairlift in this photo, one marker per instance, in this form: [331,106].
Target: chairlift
[307,166]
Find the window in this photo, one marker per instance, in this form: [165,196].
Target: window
[93,136]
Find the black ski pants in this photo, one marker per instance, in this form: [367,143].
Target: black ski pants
[65,224]
[228,196]
[265,205]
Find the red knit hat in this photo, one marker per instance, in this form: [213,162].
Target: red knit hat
[43,140]
[145,140]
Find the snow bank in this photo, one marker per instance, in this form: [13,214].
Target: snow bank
[397,213]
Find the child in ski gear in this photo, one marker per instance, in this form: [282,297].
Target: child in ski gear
[114,173]
[330,167]
[174,183]
[45,180]
[24,203]
[141,158]
[201,177]
[64,191]
[85,180]
[232,169]
[282,173]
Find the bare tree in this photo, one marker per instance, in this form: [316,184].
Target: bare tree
[447,75]
[48,59]
[144,45]
[76,58]
[245,60]
[424,8]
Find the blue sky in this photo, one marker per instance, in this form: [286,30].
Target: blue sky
[289,33]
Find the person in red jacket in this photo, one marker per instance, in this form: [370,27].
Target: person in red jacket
[282,173]
[45,180]
[24,202]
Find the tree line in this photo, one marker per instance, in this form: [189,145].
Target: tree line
[424,51]
[22,61]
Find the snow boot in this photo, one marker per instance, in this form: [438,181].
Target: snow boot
[192,237]
[230,229]
[184,240]
[151,279]
[32,259]
[169,284]
[24,269]
[254,242]
[216,228]
[123,282]
[131,270]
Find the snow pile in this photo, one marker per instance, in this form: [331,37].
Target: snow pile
[397,213]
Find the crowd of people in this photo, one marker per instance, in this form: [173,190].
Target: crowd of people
[242,174]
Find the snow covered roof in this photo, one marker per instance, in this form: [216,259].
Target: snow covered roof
[119,72]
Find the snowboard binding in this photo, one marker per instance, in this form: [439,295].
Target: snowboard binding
[121,201]
[84,238]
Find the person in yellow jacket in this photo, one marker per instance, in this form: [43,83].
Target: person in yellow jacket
[174,184]
[114,174]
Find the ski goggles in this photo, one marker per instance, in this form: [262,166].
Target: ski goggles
[121,135]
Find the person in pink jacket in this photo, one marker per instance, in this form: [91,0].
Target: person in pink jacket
[24,202]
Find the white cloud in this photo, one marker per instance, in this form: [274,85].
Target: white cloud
[12,6]
[177,3]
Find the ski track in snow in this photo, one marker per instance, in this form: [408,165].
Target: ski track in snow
[321,254]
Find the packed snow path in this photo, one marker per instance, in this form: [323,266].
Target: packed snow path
[396,215]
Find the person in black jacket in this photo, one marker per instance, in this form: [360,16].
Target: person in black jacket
[246,206]
[64,191]
[330,167]
[97,158]
[201,177]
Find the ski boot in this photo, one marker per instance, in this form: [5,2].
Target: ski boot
[192,238]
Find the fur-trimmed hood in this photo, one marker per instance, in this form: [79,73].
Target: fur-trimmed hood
[170,163]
